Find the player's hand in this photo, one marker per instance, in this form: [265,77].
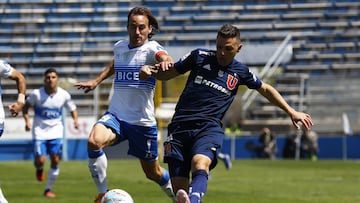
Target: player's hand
[303,118]
[87,86]
[76,125]
[27,126]
[146,71]
[164,65]
[15,108]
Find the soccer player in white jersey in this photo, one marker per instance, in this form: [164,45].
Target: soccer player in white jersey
[130,115]
[7,71]
[47,129]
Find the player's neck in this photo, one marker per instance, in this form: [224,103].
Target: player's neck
[50,90]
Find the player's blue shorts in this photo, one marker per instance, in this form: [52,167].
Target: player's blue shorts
[46,147]
[143,142]
[186,139]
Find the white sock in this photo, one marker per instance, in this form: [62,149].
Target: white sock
[221,155]
[167,188]
[52,176]
[2,198]
[97,168]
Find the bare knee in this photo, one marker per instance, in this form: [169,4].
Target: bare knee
[100,137]
[200,162]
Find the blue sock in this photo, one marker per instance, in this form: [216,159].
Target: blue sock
[164,177]
[92,154]
[198,185]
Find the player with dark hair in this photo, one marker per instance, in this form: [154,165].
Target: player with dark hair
[47,128]
[195,133]
[7,71]
[131,113]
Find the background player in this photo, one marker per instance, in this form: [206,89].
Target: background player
[47,129]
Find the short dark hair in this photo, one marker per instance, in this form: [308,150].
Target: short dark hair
[229,31]
[50,70]
[141,10]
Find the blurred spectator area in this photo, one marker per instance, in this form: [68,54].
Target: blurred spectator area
[76,37]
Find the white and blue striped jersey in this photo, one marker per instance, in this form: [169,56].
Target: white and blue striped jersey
[47,122]
[133,99]
[5,71]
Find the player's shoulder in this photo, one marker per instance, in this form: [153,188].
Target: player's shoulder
[238,66]
[5,65]
[121,43]
[37,92]
[154,45]
[204,52]
[62,91]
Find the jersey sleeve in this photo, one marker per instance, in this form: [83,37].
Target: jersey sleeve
[5,69]
[187,62]
[69,103]
[157,50]
[31,99]
[252,81]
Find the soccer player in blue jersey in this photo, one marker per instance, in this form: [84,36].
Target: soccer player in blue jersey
[195,133]
[131,114]
[7,71]
[47,127]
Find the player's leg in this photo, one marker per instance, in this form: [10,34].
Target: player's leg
[199,177]
[55,150]
[156,173]
[2,198]
[143,144]
[226,159]
[100,137]
[206,143]
[179,172]
[40,153]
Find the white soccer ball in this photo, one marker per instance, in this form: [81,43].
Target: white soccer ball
[117,196]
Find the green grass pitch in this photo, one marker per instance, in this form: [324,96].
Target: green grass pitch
[249,181]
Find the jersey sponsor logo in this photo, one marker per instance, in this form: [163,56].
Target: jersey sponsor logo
[48,113]
[231,82]
[200,80]
[127,75]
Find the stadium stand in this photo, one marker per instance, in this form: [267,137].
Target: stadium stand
[76,38]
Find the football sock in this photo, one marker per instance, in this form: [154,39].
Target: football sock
[165,183]
[53,174]
[2,198]
[198,185]
[221,155]
[97,164]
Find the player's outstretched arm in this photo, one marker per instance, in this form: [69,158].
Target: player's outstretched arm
[16,107]
[92,84]
[25,112]
[275,98]
[160,71]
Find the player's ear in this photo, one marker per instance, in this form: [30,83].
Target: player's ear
[239,47]
[150,29]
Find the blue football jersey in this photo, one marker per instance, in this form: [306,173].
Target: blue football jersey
[210,88]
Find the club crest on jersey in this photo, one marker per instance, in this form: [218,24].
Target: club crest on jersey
[231,82]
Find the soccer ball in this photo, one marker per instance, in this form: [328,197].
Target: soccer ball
[117,196]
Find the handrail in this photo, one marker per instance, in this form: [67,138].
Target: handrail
[268,70]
